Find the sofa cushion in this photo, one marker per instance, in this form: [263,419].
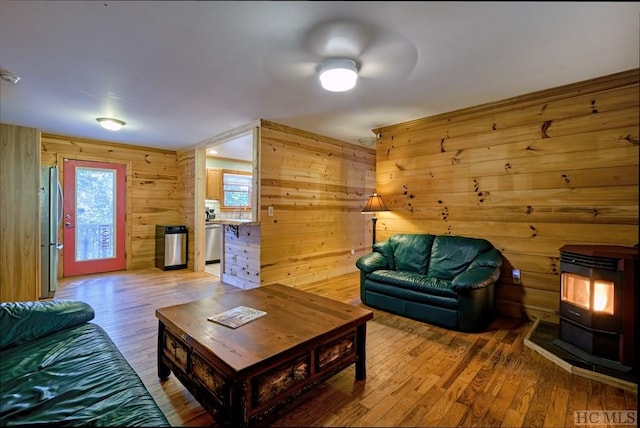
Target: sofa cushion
[385,249]
[22,322]
[405,296]
[411,252]
[73,377]
[414,281]
[450,255]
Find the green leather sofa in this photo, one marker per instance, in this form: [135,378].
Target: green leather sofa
[444,280]
[56,368]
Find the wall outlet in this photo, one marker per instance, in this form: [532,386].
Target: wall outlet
[270,211]
[516,276]
[353,251]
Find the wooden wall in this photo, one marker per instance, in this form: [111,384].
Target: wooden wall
[317,187]
[153,193]
[19,213]
[529,174]
[241,266]
[190,199]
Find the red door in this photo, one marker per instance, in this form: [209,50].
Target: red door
[93,217]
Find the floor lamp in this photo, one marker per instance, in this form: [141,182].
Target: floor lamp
[374,204]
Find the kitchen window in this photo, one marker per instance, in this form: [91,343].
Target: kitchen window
[236,190]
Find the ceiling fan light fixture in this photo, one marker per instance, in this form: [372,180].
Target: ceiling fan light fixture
[110,123]
[338,75]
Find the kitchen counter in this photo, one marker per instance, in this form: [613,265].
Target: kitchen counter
[232,221]
[234,224]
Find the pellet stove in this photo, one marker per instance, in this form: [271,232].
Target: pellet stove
[598,304]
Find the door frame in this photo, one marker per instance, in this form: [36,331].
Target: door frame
[128,246]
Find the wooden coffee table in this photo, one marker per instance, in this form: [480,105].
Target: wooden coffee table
[240,375]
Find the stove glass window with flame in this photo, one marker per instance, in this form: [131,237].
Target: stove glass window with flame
[596,296]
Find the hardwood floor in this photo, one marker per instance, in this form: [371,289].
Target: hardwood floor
[417,374]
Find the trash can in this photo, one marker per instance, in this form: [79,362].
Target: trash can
[171,247]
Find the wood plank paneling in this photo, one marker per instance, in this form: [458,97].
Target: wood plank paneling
[529,173]
[19,213]
[155,189]
[189,199]
[317,187]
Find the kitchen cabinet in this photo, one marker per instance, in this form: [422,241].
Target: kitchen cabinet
[20,213]
[214,186]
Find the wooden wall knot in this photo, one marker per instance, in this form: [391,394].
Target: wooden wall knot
[455,159]
[545,127]
[631,140]
[445,214]
[482,196]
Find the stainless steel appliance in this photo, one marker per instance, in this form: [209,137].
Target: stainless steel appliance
[50,217]
[171,247]
[212,243]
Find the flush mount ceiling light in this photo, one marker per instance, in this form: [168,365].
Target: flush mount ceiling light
[8,76]
[110,124]
[338,74]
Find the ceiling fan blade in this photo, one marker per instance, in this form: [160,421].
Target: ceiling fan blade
[390,56]
[339,39]
[289,64]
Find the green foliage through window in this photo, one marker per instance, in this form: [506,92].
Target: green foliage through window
[236,190]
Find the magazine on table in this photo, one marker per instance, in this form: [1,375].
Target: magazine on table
[238,316]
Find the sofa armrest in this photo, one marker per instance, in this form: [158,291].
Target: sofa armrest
[479,277]
[21,322]
[491,258]
[371,262]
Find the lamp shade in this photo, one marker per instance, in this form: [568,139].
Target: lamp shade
[338,75]
[374,204]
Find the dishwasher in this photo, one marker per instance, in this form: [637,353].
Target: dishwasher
[213,242]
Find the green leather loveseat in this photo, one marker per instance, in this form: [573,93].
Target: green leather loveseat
[439,279]
[56,368]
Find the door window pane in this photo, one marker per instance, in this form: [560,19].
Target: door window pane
[95,213]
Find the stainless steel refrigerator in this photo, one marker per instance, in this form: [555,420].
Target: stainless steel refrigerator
[50,217]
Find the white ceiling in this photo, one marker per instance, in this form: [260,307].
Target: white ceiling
[180,73]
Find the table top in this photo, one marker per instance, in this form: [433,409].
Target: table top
[293,318]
